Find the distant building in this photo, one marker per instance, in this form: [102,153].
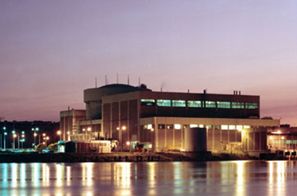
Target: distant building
[160,119]
[69,122]
[283,138]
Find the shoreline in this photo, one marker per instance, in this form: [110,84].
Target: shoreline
[35,157]
[116,157]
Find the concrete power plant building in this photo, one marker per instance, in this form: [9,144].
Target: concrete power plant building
[161,120]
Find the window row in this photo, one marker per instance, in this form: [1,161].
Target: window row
[180,126]
[199,104]
[291,141]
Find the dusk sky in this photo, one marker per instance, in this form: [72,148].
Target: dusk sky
[50,51]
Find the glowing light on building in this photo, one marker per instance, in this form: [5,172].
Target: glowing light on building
[149,126]
[193,125]
[177,126]
[277,132]
[224,127]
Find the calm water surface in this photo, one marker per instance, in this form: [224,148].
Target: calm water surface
[170,178]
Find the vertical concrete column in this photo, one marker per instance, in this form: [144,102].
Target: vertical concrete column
[173,142]
[165,138]
[156,132]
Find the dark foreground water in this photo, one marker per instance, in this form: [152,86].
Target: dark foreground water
[170,178]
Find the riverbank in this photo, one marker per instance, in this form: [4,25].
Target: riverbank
[115,157]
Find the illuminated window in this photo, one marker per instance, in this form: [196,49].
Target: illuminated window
[289,141]
[224,127]
[147,102]
[177,126]
[237,105]
[164,102]
[210,104]
[239,127]
[193,125]
[148,126]
[224,104]
[178,103]
[194,104]
[232,127]
[251,105]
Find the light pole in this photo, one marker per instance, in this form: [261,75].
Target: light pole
[22,139]
[36,129]
[43,138]
[14,136]
[18,136]
[35,135]
[46,140]
[59,132]
[4,141]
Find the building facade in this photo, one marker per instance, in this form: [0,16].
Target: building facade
[160,120]
[283,138]
[69,122]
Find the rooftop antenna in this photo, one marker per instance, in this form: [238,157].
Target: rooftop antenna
[106,81]
[96,82]
[117,78]
[162,86]
[138,81]
[128,81]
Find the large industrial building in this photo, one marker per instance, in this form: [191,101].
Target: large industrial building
[161,121]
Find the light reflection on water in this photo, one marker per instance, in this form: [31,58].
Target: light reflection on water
[238,178]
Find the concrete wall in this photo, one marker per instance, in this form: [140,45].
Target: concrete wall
[195,140]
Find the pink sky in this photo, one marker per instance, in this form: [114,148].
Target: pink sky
[52,50]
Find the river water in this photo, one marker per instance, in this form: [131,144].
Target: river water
[150,178]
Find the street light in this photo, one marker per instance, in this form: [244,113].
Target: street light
[14,136]
[59,132]
[46,140]
[35,129]
[4,142]
[22,139]
[4,128]
[35,135]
